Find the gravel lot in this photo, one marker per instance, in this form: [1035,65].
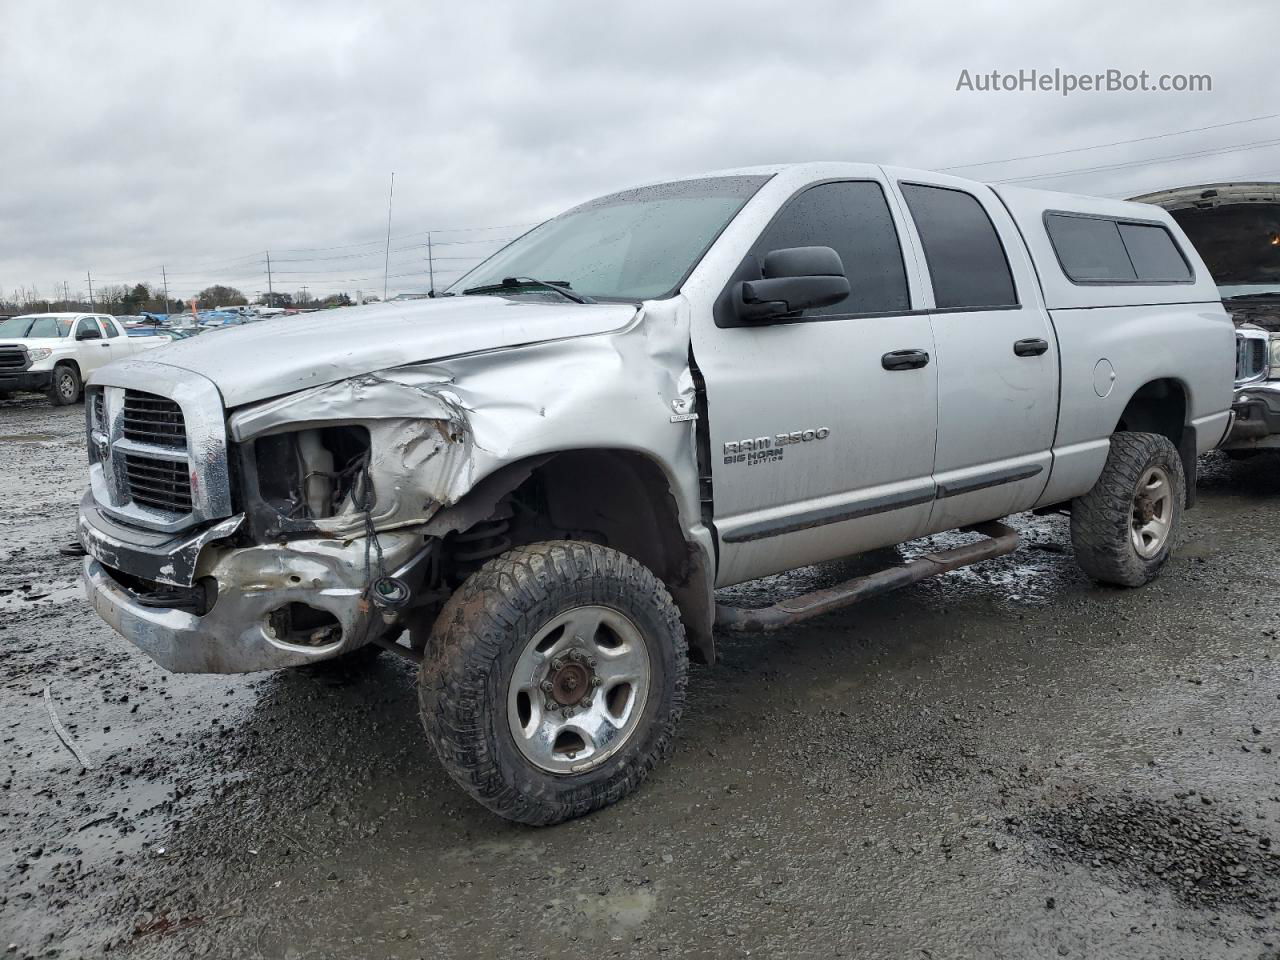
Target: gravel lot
[1007,761]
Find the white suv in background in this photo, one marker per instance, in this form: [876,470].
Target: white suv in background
[54,352]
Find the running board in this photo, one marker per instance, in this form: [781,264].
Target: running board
[1000,540]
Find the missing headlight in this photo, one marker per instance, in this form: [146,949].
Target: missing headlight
[310,474]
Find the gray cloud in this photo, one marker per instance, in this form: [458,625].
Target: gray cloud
[196,136]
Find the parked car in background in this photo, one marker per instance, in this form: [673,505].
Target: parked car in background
[541,476]
[1236,229]
[54,352]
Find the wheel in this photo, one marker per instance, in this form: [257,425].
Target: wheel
[1124,529]
[554,679]
[65,388]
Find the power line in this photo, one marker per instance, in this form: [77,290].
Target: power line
[1216,151]
[407,236]
[1112,143]
[394,249]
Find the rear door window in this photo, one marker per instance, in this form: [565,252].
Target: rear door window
[966,259]
[108,326]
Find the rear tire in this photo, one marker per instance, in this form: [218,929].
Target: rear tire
[554,680]
[1125,528]
[65,388]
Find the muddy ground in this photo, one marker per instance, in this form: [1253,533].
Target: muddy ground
[1008,761]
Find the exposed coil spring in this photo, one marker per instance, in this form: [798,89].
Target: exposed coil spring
[486,539]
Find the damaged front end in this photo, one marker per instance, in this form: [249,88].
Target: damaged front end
[324,549]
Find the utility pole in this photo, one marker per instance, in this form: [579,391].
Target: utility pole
[270,291]
[66,294]
[89,274]
[165,276]
[386,263]
[431,268]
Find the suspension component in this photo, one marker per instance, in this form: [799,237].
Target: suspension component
[486,539]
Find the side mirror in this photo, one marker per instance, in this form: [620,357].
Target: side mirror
[795,279]
[89,335]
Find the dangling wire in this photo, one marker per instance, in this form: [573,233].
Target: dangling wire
[384,591]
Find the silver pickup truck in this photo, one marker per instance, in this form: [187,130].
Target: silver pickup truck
[534,482]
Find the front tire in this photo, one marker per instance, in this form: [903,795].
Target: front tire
[1125,528]
[553,680]
[64,390]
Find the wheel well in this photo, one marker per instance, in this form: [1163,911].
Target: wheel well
[1158,407]
[619,499]
[1161,407]
[68,362]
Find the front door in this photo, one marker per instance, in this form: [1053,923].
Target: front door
[822,428]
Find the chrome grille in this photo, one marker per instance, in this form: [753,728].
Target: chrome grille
[161,484]
[13,358]
[152,419]
[1251,357]
[157,446]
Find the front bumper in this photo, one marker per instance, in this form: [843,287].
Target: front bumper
[34,380]
[1256,425]
[237,634]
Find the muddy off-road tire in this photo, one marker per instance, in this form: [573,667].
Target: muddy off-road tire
[553,680]
[65,388]
[1124,529]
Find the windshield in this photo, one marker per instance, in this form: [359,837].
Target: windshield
[30,328]
[634,245]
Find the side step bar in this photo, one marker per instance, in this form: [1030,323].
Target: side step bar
[1000,540]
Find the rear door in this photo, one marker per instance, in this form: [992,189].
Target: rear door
[92,349]
[118,344]
[819,446]
[997,354]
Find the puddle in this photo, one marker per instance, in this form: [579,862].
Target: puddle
[15,600]
[621,911]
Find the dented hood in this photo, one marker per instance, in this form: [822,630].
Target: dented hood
[279,356]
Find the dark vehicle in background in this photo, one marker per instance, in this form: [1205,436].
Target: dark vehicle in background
[1236,229]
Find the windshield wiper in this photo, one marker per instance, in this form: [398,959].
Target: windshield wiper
[510,283]
[1254,296]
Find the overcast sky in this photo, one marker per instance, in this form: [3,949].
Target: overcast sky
[198,136]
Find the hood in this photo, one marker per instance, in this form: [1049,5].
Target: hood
[286,354]
[1235,227]
[30,342]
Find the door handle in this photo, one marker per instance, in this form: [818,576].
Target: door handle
[105,346]
[904,359]
[1031,347]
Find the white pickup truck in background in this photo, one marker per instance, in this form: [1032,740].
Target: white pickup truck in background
[53,353]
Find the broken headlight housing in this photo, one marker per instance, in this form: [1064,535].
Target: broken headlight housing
[308,475]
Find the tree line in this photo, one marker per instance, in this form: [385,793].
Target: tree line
[124,300]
